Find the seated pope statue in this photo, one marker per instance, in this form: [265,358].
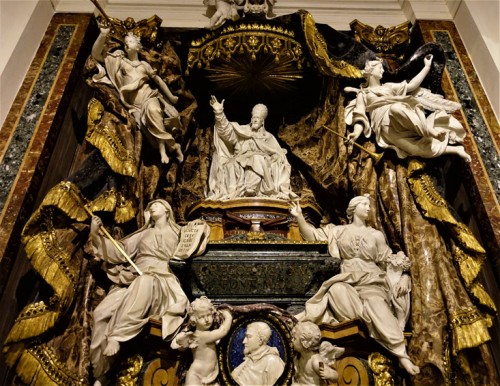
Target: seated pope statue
[248,160]
[262,364]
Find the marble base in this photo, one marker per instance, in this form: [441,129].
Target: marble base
[285,274]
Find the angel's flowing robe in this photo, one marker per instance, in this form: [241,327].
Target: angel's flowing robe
[399,121]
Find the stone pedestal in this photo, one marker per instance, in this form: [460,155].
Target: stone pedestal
[283,273]
[252,218]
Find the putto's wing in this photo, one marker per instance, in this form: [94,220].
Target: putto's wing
[330,352]
[435,102]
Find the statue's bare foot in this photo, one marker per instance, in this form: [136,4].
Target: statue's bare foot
[111,348]
[408,365]
[462,153]
[178,151]
[164,158]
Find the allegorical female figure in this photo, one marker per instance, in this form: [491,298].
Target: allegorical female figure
[134,298]
[361,290]
[395,113]
[152,108]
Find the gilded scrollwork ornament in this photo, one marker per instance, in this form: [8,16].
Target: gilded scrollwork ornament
[130,374]
[382,369]
[387,42]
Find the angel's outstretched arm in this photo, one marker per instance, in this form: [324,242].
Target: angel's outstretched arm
[417,80]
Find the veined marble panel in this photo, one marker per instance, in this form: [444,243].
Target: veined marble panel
[31,128]
[482,178]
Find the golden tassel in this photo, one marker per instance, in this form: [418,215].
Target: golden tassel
[468,265]
[470,335]
[125,211]
[34,320]
[105,202]
[483,297]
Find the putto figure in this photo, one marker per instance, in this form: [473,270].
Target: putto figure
[224,10]
[204,369]
[151,108]
[314,359]
[394,112]
[248,160]
[134,298]
[361,290]
[262,364]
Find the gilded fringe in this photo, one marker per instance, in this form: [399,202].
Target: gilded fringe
[111,200]
[318,49]
[483,297]
[30,323]
[50,261]
[105,202]
[125,211]
[469,266]
[470,335]
[39,367]
[66,197]
[468,331]
[117,156]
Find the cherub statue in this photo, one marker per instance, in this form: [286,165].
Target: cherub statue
[204,369]
[395,113]
[224,10]
[361,290]
[314,359]
[151,108]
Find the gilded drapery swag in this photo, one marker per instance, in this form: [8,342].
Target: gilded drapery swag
[120,159]
[470,329]
[39,366]
[318,49]
[53,263]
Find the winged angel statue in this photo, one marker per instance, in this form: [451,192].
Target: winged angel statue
[395,113]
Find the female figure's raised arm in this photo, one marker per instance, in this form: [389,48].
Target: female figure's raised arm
[306,230]
[417,80]
[98,47]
